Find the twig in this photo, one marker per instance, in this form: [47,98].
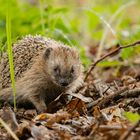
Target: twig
[94,130]
[109,54]
[9,130]
[106,90]
[131,93]
[116,85]
[111,127]
[109,98]
[131,129]
[93,103]
[101,102]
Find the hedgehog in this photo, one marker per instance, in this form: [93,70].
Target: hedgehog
[44,69]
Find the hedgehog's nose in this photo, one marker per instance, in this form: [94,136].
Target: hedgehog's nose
[63,82]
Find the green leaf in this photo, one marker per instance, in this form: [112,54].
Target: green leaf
[127,53]
[132,117]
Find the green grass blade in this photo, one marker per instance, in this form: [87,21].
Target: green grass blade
[41,8]
[114,17]
[9,44]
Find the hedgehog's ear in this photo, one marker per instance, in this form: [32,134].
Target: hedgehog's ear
[47,52]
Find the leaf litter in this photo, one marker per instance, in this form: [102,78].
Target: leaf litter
[100,110]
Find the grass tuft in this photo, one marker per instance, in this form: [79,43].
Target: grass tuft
[9,45]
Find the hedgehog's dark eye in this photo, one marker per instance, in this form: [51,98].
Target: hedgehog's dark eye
[56,69]
[72,70]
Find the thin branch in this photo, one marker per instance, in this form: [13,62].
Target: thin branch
[109,98]
[131,129]
[125,92]
[131,93]
[111,127]
[109,54]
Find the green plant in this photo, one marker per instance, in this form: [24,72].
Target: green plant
[9,44]
[76,25]
[132,117]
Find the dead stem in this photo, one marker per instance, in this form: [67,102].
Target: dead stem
[115,51]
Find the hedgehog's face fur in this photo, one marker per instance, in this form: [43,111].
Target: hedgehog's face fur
[62,65]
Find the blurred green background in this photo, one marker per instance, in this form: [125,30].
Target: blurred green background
[94,26]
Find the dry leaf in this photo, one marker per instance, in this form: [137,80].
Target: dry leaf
[76,105]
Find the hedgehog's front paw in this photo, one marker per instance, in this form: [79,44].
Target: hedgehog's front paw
[41,108]
[39,105]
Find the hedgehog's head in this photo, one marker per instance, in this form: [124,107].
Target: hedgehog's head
[62,65]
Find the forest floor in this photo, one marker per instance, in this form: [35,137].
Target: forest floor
[100,110]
